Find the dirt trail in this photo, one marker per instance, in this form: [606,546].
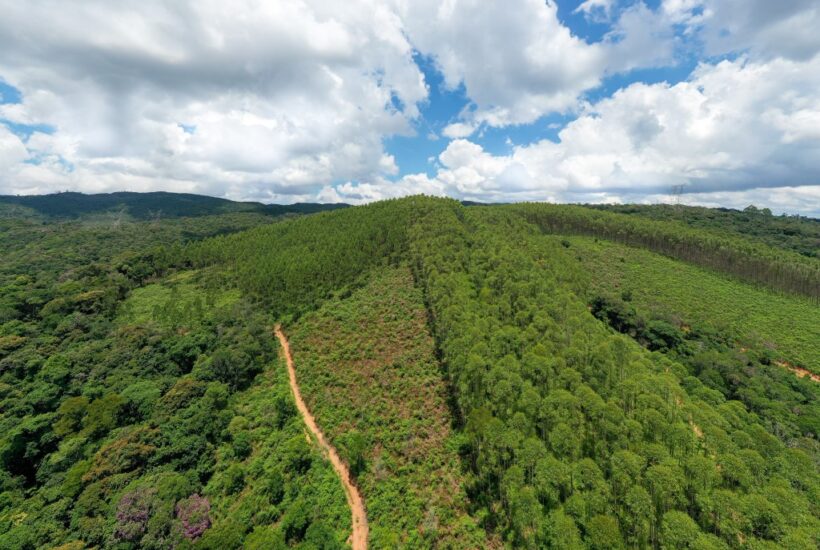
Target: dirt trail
[358,538]
[799,371]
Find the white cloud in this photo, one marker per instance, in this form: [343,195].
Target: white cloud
[639,38]
[284,96]
[363,192]
[767,28]
[790,200]
[735,126]
[516,62]
[458,130]
[12,150]
[279,101]
[596,9]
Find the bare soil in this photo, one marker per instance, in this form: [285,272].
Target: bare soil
[799,371]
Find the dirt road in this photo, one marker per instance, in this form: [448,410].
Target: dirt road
[358,538]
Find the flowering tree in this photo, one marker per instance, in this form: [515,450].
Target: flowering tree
[193,513]
[133,512]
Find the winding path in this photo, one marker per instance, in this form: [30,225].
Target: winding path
[358,537]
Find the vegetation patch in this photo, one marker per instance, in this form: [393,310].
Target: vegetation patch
[368,371]
[176,300]
[660,287]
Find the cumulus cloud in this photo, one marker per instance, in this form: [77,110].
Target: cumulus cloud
[516,63]
[253,99]
[12,149]
[781,28]
[519,62]
[734,126]
[293,100]
[804,200]
[596,7]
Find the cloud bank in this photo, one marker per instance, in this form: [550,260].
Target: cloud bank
[295,99]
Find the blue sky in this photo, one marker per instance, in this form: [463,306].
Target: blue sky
[418,152]
[571,101]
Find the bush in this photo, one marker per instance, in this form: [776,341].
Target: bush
[193,514]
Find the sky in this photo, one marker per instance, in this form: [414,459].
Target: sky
[709,102]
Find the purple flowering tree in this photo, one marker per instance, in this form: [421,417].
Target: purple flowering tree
[194,515]
[133,512]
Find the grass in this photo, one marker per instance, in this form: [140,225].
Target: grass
[367,368]
[175,300]
[661,287]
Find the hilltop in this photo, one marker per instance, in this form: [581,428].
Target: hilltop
[482,376]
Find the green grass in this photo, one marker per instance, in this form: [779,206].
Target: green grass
[366,366]
[176,300]
[662,287]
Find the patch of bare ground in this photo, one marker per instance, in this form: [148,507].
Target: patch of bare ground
[799,371]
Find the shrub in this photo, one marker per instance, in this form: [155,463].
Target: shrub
[193,514]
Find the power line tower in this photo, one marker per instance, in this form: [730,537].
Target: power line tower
[677,191]
[156,216]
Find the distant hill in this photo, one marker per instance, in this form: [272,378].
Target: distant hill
[150,205]
[797,233]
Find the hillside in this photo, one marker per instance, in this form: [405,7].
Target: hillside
[518,376]
[148,206]
[796,233]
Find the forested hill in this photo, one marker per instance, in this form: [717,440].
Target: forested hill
[153,205]
[516,376]
[727,251]
[797,233]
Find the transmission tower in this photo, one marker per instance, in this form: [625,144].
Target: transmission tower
[677,191]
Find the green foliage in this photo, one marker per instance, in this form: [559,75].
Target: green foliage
[715,327]
[293,266]
[367,369]
[510,324]
[143,206]
[744,258]
[796,233]
[282,480]
[107,423]
[697,300]
[178,300]
[553,390]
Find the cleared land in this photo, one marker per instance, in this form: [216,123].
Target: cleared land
[368,371]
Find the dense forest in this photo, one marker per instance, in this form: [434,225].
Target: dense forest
[522,376]
[144,206]
[745,258]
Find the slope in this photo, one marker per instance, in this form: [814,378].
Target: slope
[746,259]
[743,341]
[796,233]
[359,527]
[578,437]
[788,326]
[573,435]
[368,371]
[151,205]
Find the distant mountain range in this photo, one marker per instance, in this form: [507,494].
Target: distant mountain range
[158,204]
